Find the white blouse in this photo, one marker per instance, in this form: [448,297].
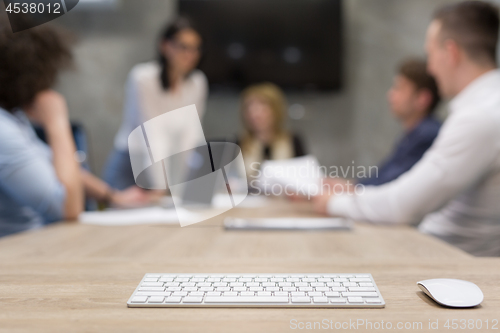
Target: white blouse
[145,98]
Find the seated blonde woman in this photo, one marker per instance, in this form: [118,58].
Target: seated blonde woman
[264,134]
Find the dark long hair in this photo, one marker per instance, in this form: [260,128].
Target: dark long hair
[168,34]
[30,61]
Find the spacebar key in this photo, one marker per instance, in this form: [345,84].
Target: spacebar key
[259,299]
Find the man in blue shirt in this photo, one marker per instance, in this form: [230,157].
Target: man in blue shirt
[413,98]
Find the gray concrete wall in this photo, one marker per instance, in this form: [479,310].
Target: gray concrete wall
[351,125]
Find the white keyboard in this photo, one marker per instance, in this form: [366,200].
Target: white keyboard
[257,290]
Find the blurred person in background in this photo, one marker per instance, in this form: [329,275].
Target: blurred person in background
[454,190]
[413,99]
[264,136]
[41,183]
[157,87]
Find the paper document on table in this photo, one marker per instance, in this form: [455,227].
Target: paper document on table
[120,217]
[300,175]
[288,223]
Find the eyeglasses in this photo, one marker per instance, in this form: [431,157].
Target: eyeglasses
[187,48]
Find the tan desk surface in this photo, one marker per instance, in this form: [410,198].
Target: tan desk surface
[71,277]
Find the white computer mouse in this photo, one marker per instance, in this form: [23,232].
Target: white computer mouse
[452,292]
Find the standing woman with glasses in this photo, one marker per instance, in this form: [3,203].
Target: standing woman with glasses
[157,87]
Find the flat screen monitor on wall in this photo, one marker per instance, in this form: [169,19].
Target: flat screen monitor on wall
[294,43]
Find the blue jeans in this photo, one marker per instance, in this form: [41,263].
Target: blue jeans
[118,170]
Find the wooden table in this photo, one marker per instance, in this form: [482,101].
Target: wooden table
[71,277]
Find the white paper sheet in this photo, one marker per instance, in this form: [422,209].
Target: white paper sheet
[150,215]
[299,175]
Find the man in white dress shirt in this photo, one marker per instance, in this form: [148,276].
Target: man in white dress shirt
[454,190]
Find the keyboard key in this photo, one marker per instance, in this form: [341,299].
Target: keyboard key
[230,294]
[139,299]
[151,289]
[240,288]
[356,300]
[197,294]
[320,300]
[289,289]
[362,289]
[360,294]
[198,279]
[264,293]
[153,293]
[190,299]
[173,299]
[307,288]
[213,293]
[332,294]
[241,299]
[366,284]
[180,279]
[256,289]
[281,293]
[156,299]
[298,294]
[322,289]
[272,289]
[301,299]
[213,279]
[338,300]
[373,300]
[360,280]
[206,289]
[315,294]
[179,293]
[247,293]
